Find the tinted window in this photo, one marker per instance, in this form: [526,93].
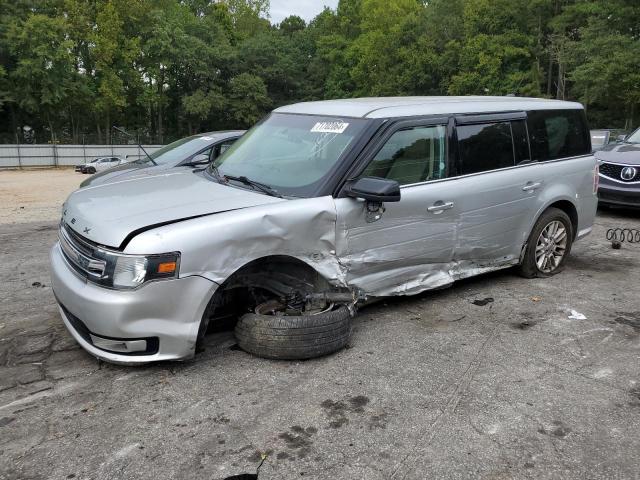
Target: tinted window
[520,141]
[180,150]
[223,147]
[485,146]
[557,134]
[411,156]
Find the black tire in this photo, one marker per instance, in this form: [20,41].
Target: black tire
[294,337]
[529,268]
[91,170]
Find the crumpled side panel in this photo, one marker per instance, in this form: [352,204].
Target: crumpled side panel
[414,279]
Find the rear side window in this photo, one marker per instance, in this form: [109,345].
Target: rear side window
[485,146]
[558,134]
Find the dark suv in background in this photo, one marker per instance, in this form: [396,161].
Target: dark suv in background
[620,172]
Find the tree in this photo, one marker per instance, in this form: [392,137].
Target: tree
[43,75]
[248,100]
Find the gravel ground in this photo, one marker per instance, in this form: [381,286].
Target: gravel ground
[432,386]
[35,195]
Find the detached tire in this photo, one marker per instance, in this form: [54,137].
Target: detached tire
[285,337]
[548,246]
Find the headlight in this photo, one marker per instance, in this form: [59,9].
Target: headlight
[113,269]
[130,271]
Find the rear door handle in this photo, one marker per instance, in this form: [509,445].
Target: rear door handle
[440,206]
[531,186]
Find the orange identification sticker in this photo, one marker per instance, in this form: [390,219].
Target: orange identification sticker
[167,267]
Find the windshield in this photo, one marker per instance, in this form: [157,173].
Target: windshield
[179,150]
[634,137]
[290,153]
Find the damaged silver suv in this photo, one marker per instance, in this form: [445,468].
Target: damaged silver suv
[318,207]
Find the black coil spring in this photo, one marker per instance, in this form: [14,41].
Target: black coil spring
[629,235]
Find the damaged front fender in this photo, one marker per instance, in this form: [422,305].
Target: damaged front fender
[218,245]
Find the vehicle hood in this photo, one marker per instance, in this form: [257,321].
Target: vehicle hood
[625,153]
[108,214]
[122,172]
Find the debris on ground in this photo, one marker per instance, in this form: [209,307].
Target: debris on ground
[483,302]
[573,315]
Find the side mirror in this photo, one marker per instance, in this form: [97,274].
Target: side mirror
[621,138]
[374,189]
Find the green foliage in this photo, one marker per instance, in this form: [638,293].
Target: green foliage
[167,68]
[247,99]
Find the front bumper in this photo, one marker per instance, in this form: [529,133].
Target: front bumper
[613,193]
[165,314]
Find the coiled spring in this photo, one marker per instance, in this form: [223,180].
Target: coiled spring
[629,235]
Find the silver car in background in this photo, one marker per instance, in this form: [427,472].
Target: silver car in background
[194,151]
[318,207]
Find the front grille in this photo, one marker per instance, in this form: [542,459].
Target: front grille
[614,172]
[605,196]
[81,254]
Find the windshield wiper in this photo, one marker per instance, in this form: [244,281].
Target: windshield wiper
[252,183]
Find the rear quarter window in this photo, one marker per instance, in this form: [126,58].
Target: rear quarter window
[558,134]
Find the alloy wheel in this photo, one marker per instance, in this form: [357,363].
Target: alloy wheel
[551,246]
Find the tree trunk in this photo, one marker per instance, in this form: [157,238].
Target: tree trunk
[107,128]
[160,81]
[550,74]
[99,132]
[560,92]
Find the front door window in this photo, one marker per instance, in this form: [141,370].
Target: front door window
[411,155]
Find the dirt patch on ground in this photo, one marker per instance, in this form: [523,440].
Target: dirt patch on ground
[35,195]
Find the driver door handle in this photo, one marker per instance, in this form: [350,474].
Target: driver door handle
[440,206]
[531,186]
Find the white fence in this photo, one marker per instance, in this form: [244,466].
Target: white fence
[65,155]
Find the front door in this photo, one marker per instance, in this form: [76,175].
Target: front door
[409,249]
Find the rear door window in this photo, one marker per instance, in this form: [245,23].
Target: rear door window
[558,134]
[485,146]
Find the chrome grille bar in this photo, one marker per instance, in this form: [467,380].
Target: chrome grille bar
[79,256]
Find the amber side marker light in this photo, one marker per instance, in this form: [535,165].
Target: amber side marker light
[167,267]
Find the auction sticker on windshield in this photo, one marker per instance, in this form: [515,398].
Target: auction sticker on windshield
[330,127]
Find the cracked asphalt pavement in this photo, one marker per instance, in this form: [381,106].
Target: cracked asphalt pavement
[432,386]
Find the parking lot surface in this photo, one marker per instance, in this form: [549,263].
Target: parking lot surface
[448,384]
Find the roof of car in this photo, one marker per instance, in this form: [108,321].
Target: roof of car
[389,107]
[221,134]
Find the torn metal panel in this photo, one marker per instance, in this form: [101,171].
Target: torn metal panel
[218,245]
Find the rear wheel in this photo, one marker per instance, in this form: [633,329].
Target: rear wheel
[91,170]
[270,332]
[549,245]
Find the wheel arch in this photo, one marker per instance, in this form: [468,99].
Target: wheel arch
[566,205]
[250,274]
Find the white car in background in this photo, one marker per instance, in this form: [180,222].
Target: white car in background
[100,164]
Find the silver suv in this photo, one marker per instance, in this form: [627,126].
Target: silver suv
[318,207]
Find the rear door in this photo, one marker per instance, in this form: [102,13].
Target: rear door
[498,184]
